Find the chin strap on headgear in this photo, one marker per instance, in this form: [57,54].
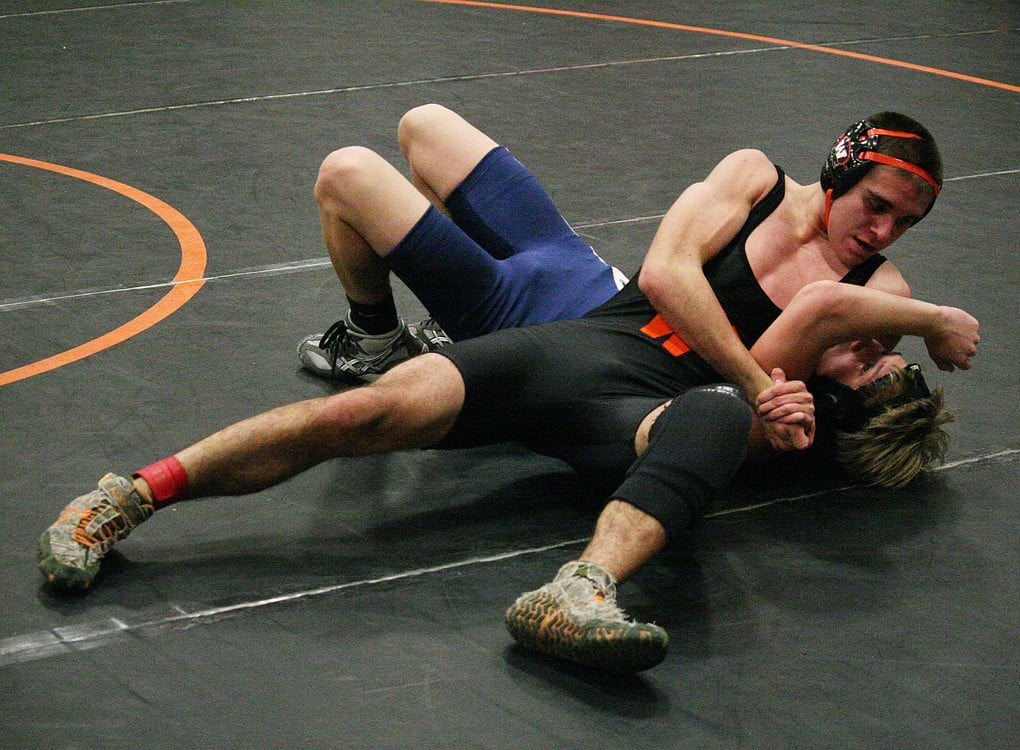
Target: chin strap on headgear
[847,409]
[853,154]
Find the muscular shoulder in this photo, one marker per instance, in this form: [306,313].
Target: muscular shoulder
[747,172]
[749,159]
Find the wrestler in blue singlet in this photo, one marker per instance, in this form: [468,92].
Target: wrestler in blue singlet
[504,258]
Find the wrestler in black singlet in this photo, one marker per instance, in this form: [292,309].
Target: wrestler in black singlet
[578,389]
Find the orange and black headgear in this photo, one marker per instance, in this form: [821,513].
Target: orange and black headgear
[855,152]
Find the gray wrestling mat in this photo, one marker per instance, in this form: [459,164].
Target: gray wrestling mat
[162,258]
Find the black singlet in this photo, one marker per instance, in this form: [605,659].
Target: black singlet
[578,389]
[747,306]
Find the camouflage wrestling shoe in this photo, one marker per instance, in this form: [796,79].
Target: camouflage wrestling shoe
[575,617]
[343,351]
[71,549]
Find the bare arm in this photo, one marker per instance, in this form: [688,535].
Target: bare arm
[695,229]
[887,278]
[826,313]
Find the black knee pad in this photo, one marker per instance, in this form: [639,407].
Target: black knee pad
[696,447]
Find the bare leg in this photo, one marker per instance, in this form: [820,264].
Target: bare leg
[625,539]
[411,406]
[442,148]
[365,207]
[576,617]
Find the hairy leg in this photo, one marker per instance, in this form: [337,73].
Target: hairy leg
[413,405]
[625,539]
[693,451]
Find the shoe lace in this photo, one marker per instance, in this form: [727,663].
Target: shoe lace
[590,598]
[333,341]
[429,332]
[106,534]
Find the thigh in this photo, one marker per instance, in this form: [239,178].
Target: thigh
[470,292]
[359,188]
[456,280]
[441,147]
[502,206]
[422,399]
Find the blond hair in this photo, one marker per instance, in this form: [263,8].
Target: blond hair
[898,443]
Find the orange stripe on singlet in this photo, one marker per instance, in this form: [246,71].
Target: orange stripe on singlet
[658,328]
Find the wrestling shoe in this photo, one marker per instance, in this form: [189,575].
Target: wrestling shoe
[344,351]
[71,550]
[428,330]
[575,617]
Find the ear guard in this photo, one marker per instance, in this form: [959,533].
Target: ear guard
[853,154]
[846,409]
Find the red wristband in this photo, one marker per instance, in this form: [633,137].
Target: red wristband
[166,479]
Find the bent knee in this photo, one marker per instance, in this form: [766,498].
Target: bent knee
[348,422]
[412,406]
[722,403]
[344,169]
[424,396]
[418,120]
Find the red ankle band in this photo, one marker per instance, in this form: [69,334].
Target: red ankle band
[167,481]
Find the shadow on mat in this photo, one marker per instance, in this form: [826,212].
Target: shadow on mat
[631,696]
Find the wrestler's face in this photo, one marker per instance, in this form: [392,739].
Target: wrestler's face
[876,212]
[858,363]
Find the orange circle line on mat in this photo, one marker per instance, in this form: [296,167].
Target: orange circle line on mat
[735,34]
[189,280]
[186,283]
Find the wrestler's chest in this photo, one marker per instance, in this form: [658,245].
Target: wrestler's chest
[782,266]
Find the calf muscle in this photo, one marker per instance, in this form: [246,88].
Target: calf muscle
[412,406]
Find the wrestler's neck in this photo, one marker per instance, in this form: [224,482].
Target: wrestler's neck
[795,232]
[807,204]
[810,207]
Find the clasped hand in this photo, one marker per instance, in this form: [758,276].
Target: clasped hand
[787,411]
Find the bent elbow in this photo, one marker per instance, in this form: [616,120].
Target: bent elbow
[655,282]
[820,299]
[647,279]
